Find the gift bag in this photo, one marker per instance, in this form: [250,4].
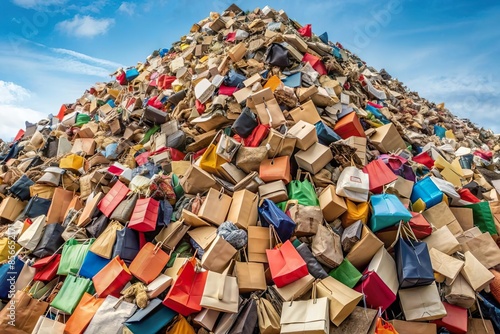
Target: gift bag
[210,160]
[364,250]
[152,319]
[455,320]
[46,268]
[326,247]
[92,264]
[285,263]
[244,209]
[32,235]
[103,245]
[422,303]
[215,199]
[185,294]
[269,319]
[149,263]
[83,314]
[303,191]
[387,211]
[309,316]
[343,300]
[307,218]
[379,175]
[250,276]
[218,255]
[413,261]
[145,215]
[346,273]
[353,184]
[111,279]
[113,198]
[270,214]
[70,294]
[221,292]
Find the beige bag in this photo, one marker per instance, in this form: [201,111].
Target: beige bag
[259,239]
[445,265]
[89,210]
[221,292]
[268,109]
[364,250]
[269,319]
[10,208]
[307,218]
[327,248]
[249,158]
[460,293]
[485,249]
[207,319]
[218,256]
[477,275]
[251,276]
[403,327]
[306,112]
[196,180]
[280,144]
[172,234]
[306,316]
[443,240]
[343,300]
[422,303]
[244,209]
[31,236]
[296,289]
[215,207]
[203,236]
[103,245]
[441,215]
[275,191]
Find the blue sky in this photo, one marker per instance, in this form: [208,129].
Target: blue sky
[52,50]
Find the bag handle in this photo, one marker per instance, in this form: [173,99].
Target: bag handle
[281,143]
[222,282]
[215,137]
[290,203]
[268,112]
[272,233]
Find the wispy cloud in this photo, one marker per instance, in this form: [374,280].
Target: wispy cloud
[85,57]
[10,92]
[127,8]
[38,4]
[85,26]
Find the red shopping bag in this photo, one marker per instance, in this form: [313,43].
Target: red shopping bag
[111,279]
[258,134]
[377,293]
[185,295]
[306,30]
[455,320]
[379,175]
[466,195]
[114,197]
[420,226]
[286,264]
[46,268]
[425,159]
[316,63]
[145,215]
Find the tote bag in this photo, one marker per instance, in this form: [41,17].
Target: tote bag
[111,279]
[353,184]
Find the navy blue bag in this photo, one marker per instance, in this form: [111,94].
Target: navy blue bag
[37,206]
[9,272]
[413,261]
[21,188]
[50,242]
[326,135]
[165,213]
[270,214]
[127,245]
[234,79]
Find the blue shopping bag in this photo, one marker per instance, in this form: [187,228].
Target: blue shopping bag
[387,211]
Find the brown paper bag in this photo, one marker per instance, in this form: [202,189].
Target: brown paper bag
[460,293]
[361,320]
[296,289]
[306,112]
[445,265]
[280,144]
[422,303]
[258,241]
[203,236]
[215,207]
[443,240]
[408,327]
[196,180]
[244,209]
[327,248]
[479,326]
[485,249]
[89,210]
[364,250]
[441,215]
[218,255]
[343,300]
[60,202]
[11,207]
[268,109]
[251,276]
[476,274]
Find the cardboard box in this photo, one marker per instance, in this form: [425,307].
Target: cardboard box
[359,143]
[305,133]
[332,205]
[387,139]
[349,126]
[315,158]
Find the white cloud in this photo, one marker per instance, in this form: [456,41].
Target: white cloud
[10,92]
[38,4]
[127,8]
[85,26]
[85,57]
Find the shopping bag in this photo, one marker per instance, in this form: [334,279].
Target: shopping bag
[32,235]
[218,255]
[210,160]
[103,245]
[83,314]
[72,256]
[71,292]
[455,320]
[384,327]
[445,265]
[250,276]
[285,263]
[475,273]
[221,292]
[364,250]
[303,191]
[270,214]
[92,264]
[355,212]
[268,317]
[483,218]
[149,263]
[326,247]
[353,184]
[343,300]
[215,199]
[46,268]
[113,198]
[185,294]
[306,218]
[346,273]
[25,310]
[460,293]
[150,319]
[379,175]
[387,211]
[422,303]
[443,240]
[413,261]
[111,315]
[111,279]
[275,169]
[145,215]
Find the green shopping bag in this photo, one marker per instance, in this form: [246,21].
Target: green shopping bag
[483,218]
[182,250]
[178,190]
[149,133]
[82,119]
[303,191]
[71,292]
[346,273]
[72,256]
